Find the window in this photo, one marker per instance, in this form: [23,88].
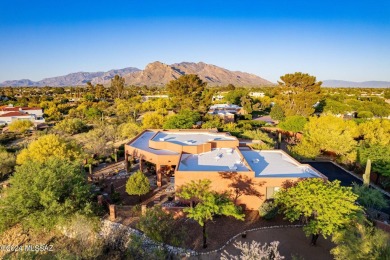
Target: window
[271,192]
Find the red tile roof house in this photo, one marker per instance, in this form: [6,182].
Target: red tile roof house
[217,156]
[10,113]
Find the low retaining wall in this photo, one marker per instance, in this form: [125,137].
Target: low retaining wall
[381,225]
[109,228]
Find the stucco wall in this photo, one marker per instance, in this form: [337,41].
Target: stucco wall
[220,184]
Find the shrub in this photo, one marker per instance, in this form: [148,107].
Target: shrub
[254,250]
[365,114]
[268,210]
[161,226]
[370,198]
[71,126]
[7,162]
[20,126]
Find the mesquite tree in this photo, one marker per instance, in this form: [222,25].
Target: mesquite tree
[209,204]
[324,206]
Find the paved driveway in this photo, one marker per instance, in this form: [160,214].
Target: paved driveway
[336,173]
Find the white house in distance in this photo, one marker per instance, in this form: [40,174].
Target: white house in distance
[225,111]
[231,108]
[218,97]
[257,94]
[10,113]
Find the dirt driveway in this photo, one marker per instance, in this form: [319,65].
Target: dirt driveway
[292,242]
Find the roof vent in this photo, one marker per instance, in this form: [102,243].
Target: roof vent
[233,167]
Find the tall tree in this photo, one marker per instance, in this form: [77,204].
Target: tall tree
[361,241]
[42,194]
[277,113]
[249,105]
[117,86]
[100,91]
[234,96]
[325,206]
[153,120]
[186,91]
[208,205]
[299,92]
[128,130]
[293,123]
[127,109]
[49,146]
[100,140]
[183,120]
[327,133]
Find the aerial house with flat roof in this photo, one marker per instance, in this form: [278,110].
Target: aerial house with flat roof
[208,154]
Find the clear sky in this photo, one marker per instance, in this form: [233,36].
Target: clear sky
[347,40]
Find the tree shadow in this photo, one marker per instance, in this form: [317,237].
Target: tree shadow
[242,185]
[290,183]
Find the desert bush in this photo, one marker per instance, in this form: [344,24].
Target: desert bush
[254,250]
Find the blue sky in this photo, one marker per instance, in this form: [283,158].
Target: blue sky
[347,40]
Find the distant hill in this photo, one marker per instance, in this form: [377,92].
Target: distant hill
[154,74]
[351,84]
[72,79]
[157,73]
[16,83]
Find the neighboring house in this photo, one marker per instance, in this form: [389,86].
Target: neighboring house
[231,108]
[225,111]
[10,113]
[267,119]
[257,94]
[218,97]
[146,98]
[226,116]
[180,156]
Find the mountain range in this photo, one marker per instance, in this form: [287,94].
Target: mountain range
[351,84]
[154,74]
[159,74]
[72,79]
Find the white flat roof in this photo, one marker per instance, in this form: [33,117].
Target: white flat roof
[220,112]
[277,164]
[142,143]
[225,106]
[219,160]
[190,138]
